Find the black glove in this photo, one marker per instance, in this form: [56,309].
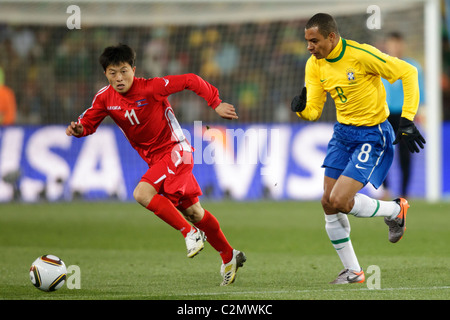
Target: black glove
[408,132]
[298,104]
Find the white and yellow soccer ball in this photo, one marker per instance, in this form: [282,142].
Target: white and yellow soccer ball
[48,273]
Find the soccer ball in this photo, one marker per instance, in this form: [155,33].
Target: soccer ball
[48,273]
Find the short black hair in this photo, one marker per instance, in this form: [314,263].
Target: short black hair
[324,22]
[115,55]
[395,35]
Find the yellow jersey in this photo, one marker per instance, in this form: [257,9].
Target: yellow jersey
[352,73]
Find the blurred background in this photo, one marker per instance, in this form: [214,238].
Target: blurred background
[253,51]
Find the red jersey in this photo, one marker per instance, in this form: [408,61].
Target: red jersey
[144,114]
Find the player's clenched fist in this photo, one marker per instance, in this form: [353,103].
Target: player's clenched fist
[74,129]
[298,104]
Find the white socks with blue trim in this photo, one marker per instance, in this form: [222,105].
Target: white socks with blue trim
[366,207]
[338,230]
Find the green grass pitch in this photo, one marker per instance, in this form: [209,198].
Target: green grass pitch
[124,252]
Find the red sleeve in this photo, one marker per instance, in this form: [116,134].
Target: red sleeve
[163,87]
[92,117]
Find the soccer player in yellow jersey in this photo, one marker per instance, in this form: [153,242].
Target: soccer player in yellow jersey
[361,149]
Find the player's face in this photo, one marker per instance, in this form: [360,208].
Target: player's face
[318,45]
[121,76]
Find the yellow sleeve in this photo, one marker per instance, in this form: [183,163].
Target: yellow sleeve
[393,69]
[315,94]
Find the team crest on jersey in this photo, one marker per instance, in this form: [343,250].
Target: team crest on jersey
[351,74]
[141,103]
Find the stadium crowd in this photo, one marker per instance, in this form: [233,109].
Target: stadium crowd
[54,71]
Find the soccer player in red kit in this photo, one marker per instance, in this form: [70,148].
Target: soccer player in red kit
[169,189]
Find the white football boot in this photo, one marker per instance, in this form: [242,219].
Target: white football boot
[349,276]
[195,242]
[228,270]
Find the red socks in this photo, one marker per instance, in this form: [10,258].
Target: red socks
[166,211]
[210,226]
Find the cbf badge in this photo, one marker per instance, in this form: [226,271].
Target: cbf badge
[351,75]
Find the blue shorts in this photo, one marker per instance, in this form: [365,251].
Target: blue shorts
[362,153]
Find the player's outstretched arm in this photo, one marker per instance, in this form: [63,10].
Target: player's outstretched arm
[226,111]
[74,129]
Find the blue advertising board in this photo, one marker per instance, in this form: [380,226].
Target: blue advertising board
[240,162]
